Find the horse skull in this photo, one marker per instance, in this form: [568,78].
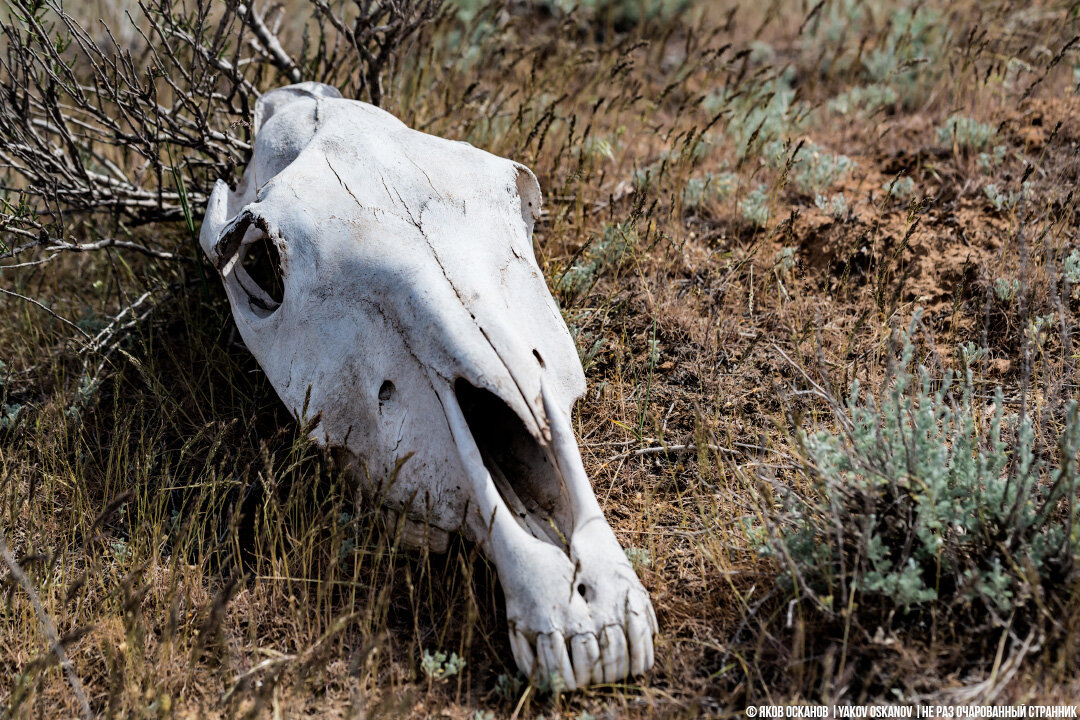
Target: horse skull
[414,323]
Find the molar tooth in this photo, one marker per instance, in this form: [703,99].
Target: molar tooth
[523,652]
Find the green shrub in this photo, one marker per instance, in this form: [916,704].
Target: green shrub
[760,115]
[914,39]
[439,667]
[755,208]
[1006,289]
[698,191]
[1005,201]
[925,499]
[814,169]
[968,134]
[901,188]
[835,207]
[864,99]
[901,53]
[605,253]
[694,192]
[1071,268]
[989,160]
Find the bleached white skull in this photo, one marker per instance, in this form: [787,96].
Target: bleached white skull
[414,323]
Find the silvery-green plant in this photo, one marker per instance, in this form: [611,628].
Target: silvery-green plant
[643,177]
[508,687]
[624,11]
[759,116]
[967,133]
[437,666]
[905,56]
[606,252]
[1071,268]
[925,496]
[1001,201]
[9,415]
[835,207]
[970,354]
[989,160]
[1006,288]
[914,40]
[639,557]
[862,99]
[694,192]
[813,169]
[755,207]
[785,259]
[901,188]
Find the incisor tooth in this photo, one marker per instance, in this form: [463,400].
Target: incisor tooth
[613,649]
[562,658]
[638,636]
[586,657]
[523,652]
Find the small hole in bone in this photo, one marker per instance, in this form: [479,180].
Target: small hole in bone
[262,263]
[536,354]
[581,589]
[386,391]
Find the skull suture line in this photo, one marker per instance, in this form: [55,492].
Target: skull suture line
[414,322]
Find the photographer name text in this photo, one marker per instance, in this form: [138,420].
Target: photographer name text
[917,712]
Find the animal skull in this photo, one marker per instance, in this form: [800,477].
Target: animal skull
[415,325]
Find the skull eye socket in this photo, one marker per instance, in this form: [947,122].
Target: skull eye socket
[262,278]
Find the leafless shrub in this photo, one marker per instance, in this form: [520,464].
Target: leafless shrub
[142,131]
[135,119]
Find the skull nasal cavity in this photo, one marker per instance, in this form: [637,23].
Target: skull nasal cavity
[262,263]
[521,468]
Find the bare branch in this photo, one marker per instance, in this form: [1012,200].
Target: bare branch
[61,318]
[270,43]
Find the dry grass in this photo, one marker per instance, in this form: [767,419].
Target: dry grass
[200,560]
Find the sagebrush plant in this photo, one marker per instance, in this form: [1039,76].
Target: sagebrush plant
[606,253]
[865,99]
[968,133]
[1071,268]
[927,499]
[437,666]
[755,206]
[812,168]
[901,188]
[835,207]
[762,115]
[1006,201]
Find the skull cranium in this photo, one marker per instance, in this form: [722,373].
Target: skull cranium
[414,322]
